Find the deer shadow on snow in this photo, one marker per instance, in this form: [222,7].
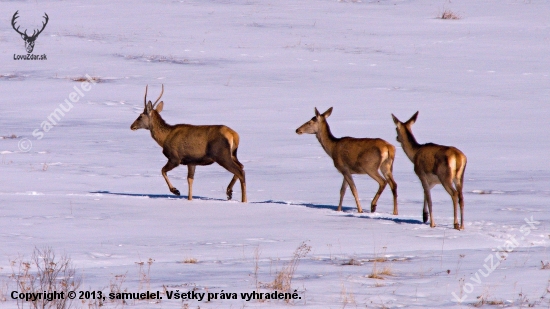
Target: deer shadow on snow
[159,196]
[347,210]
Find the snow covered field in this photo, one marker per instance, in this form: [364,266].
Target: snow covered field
[91,188]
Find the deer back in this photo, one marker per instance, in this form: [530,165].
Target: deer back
[360,154]
[198,143]
[438,160]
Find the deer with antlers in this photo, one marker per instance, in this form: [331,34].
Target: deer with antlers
[192,145]
[29,40]
[434,164]
[355,156]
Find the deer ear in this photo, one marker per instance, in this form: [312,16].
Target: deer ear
[317,114]
[395,120]
[413,119]
[327,113]
[149,107]
[159,107]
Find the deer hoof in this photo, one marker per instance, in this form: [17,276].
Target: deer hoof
[175,191]
[425,217]
[229,194]
[457,227]
[373,208]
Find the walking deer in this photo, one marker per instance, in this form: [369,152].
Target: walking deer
[192,145]
[355,156]
[434,164]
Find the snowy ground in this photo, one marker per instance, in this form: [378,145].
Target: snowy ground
[92,189]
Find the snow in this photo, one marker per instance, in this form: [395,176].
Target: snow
[91,188]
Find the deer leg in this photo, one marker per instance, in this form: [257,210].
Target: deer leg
[386,171]
[168,167]
[447,184]
[461,203]
[458,186]
[190,177]
[349,179]
[243,182]
[243,189]
[229,190]
[425,214]
[393,186]
[342,192]
[236,169]
[428,201]
[381,186]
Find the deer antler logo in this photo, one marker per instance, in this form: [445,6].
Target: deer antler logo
[29,40]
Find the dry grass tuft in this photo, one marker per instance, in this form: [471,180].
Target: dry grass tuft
[448,14]
[347,297]
[13,136]
[4,287]
[380,259]
[486,299]
[352,262]
[257,267]
[379,273]
[45,273]
[144,274]
[545,265]
[115,286]
[482,302]
[85,79]
[190,261]
[386,271]
[375,275]
[283,278]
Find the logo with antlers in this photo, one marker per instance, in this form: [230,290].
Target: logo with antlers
[29,40]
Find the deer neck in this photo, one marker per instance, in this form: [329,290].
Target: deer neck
[159,128]
[410,145]
[325,137]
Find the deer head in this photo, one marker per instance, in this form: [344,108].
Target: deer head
[404,129]
[29,40]
[143,121]
[312,126]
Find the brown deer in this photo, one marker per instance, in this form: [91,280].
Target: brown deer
[355,156]
[434,164]
[192,145]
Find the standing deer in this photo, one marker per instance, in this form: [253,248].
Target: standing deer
[192,145]
[434,164]
[355,156]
